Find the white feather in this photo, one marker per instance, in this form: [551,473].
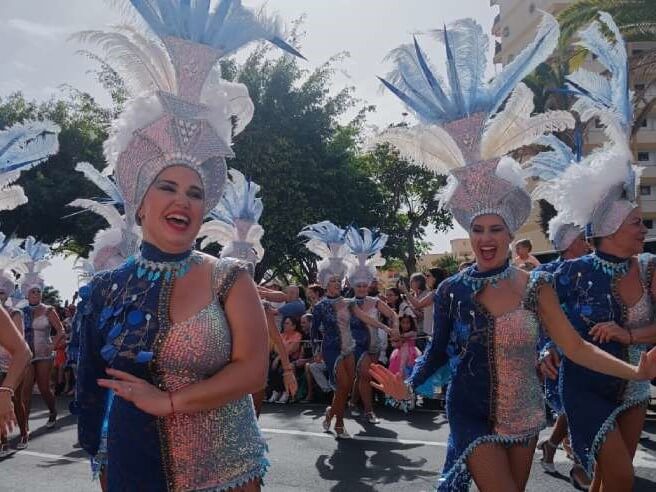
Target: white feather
[427,145]
[510,170]
[216,231]
[106,211]
[580,187]
[12,197]
[514,127]
[138,113]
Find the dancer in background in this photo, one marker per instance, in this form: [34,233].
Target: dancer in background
[39,320]
[178,337]
[234,225]
[487,318]
[331,318]
[365,247]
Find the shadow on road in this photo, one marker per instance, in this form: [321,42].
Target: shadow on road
[377,463]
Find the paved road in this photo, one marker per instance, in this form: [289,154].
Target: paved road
[401,454]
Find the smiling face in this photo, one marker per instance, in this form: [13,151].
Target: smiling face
[172,210]
[333,289]
[629,239]
[490,240]
[361,289]
[391,297]
[34,296]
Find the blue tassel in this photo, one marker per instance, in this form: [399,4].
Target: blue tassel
[114,332]
[108,352]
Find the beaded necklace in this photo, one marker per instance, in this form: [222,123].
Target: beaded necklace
[153,270]
[476,280]
[612,266]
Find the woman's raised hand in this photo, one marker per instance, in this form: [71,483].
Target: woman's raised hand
[389,383]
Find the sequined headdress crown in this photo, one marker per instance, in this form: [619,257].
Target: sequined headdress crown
[600,192]
[234,221]
[461,130]
[38,254]
[183,112]
[327,241]
[365,247]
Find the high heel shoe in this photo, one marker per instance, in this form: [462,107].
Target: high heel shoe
[340,433]
[549,467]
[575,482]
[327,420]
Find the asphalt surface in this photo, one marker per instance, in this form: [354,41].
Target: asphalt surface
[403,453]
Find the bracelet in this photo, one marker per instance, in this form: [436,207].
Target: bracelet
[171,402]
[7,389]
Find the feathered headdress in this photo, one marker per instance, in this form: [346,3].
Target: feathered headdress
[12,259]
[462,131]
[365,247]
[549,167]
[111,246]
[327,241]
[234,223]
[38,254]
[22,147]
[183,112]
[600,192]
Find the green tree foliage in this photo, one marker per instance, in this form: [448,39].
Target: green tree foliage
[55,183]
[409,203]
[450,263]
[51,296]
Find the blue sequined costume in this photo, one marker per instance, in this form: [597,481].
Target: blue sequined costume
[592,401]
[495,394]
[125,325]
[551,391]
[334,325]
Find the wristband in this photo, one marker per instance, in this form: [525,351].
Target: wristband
[7,389]
[171,402]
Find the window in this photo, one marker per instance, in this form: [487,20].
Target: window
[531,8]
[637,51]
[597,123]
[649,223]
[643,123]
[645,190]
[506,32]
[643,156]
[639,87]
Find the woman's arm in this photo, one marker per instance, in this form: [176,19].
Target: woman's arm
[12,341]
[56,323]
[389,313]
[425,300]
[582,352]
[272,295]
[368,320]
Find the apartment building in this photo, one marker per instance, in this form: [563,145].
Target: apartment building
[514,26]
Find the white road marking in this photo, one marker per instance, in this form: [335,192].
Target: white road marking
[642,459]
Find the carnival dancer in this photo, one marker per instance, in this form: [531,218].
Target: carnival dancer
[331,318]
[570,243]
[365,247]
[234,225]
[22,146]
[39,320]
[178,336]
[615,283]
[487,317]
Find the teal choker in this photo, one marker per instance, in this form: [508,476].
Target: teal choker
[476,280]
[609,267]
[154,270]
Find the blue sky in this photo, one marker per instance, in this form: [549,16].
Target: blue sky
[37,57]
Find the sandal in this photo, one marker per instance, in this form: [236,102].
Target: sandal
[372,419]
[22,444]
[575,482]
[52,418]
[340,433]
[327,420]
[549,467]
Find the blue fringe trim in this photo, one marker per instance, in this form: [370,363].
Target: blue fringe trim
[258,472]
[458,477]
[609,424]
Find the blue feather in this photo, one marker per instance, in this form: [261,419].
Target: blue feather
[229,27]
[423,113]
[452,71]
[432,80]
[23,146]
